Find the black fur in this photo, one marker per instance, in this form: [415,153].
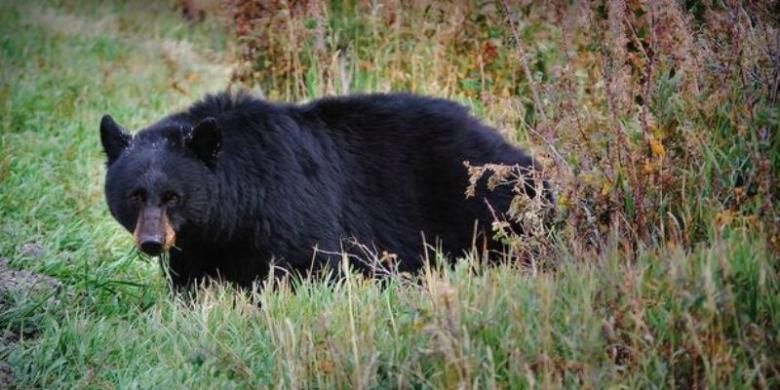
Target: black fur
[256,181]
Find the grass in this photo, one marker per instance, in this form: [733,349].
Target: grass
[688,298]
[593,325]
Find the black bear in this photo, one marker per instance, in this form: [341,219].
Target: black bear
[234,183]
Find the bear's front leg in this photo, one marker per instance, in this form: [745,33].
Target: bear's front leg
[186,269]
[243,269]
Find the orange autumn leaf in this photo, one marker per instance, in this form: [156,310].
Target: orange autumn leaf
[656,147]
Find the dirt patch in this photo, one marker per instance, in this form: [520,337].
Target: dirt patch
[6,377]
[32,249]
[12,282]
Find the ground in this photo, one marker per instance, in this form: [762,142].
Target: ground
[15,283]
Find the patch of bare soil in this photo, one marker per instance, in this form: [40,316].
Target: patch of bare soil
[14,282]
[11,281]
[6,377]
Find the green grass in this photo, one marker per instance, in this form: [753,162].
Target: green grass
[690,312]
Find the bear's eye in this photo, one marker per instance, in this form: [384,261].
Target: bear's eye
[137,196]
[170,199]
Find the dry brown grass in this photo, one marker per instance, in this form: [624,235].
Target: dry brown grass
[656,121]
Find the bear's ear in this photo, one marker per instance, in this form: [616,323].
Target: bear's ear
[206,140]
[113,137]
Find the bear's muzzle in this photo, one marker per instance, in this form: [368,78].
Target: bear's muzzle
[153,232]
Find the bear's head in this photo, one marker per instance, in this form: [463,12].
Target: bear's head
[157,181]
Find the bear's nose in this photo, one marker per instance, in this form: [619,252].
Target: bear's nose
[151,247]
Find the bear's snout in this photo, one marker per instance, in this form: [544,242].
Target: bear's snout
[151,246]
[153,232]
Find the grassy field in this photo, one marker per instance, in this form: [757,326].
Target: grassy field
[663,262]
